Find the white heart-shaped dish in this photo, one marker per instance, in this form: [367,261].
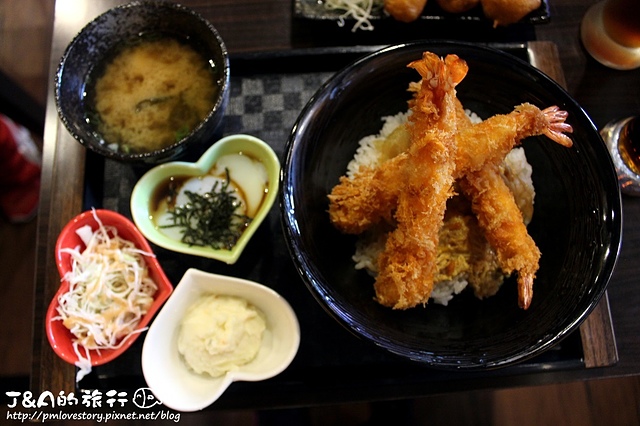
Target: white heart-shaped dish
[165,371]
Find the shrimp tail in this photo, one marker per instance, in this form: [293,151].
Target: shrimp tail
[525,290]
[557,126]
[439,78]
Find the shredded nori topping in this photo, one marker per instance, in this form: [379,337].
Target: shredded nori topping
[210,219]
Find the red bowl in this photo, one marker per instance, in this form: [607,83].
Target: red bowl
[60,338]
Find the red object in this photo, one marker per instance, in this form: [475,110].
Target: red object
[59,336]
[19,172]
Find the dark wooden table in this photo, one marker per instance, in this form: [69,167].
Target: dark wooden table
[269,25]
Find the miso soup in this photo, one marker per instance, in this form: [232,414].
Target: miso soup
[150,94]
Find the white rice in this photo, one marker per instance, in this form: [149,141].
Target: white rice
[368,247]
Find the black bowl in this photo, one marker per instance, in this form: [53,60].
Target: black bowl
[576,224]
[101,36]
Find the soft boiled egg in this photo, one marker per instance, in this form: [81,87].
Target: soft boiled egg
[247,174]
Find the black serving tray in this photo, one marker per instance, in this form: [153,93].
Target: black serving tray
[268,90]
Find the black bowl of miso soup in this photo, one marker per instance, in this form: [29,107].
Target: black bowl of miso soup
[144,82]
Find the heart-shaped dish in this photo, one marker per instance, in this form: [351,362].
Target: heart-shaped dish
[165,371]
[144,194]
[60,338]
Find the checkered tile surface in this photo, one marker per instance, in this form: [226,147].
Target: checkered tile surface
[267,106]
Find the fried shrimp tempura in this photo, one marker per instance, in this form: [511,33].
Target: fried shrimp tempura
[482,148]
[407,264]
[370,197]
[501,219]
[410,191]
[488,142]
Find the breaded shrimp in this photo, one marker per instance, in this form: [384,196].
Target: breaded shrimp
[499,216]
[489,141]
[407,264]
[368,198]
[411,189]
[482,147]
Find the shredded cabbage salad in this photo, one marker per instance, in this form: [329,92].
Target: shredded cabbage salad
[110,290]
[360,10]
